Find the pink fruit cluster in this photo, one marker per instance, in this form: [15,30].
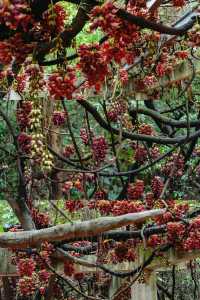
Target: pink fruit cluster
[135,190]
[62,84]
[99,148]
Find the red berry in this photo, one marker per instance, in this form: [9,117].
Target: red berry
[136,190]
[157,186]
[99,147]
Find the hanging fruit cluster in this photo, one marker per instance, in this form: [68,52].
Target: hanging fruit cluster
[58,118]
[99,148]
[116,110]
[146,129]
[32,270]
[141,154]
[135,190]
[15,14]
[62,84]
[157,186]
[40,153]
[55,18]
[31,139]
[176,161]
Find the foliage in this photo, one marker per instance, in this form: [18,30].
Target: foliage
[105,123]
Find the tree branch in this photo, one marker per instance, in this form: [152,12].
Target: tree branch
[144,23]
[70,231]
[157,116]
[137,137]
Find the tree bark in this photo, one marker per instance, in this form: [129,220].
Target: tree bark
[80,230]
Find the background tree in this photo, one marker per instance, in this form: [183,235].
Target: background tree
[100,111]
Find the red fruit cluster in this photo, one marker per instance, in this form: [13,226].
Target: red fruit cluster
[40,219]
[180,210]
[78,185]
[69,268]
[68,185]
[99,148]
[81,244]
[131,255]
[122,252]
[192,241]
[104,206]
[26,286]
[148,81]
[160,69]
[14,47]
[146,129]
[165,218]
[178,3]
[15,14]
[44,275]
[62,84]
[126,207]
[92,204]
[123,74]
[194,36]
[73,205]
[58,118]
[60,17]
[164,66]
[121,54]
[140,154]
[26,266]
[42,290]
[5,53]
[177,163]
[157,186]
[154,241]
[21,82]
[23,114]
[32,70]
[175,232]
[79,276]
[135,190]
[149,200]
[84,136]
[68,151]
[117,109]
[45,255]
[35,74]
[100,195]
[47,247]
[155,152]
[105,17]
[24,141]
[116,208]
[182,54]
[92,64]
[55,18]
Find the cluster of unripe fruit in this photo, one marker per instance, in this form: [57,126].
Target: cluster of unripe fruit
[31,140]
[39,152]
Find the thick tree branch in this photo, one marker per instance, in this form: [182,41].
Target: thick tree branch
[71,32]
[70,231]
[19,205]
[144,23]
[137,137]
[157,116]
